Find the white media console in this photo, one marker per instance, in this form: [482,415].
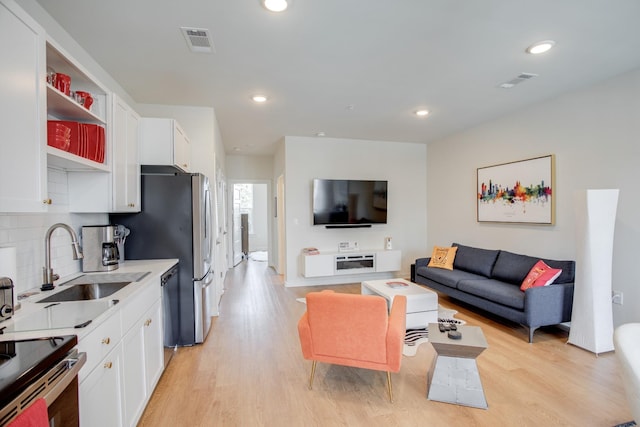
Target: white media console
[338,263]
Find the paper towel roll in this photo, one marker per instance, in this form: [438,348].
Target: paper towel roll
[8,268]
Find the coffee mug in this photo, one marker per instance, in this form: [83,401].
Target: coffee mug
[51,76]
[63,83]
[84,98]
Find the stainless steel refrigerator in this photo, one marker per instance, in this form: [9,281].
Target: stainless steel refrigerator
[176,222]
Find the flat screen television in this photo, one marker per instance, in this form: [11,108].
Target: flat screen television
[349,202]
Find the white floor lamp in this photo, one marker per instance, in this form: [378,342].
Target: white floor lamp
[592,316]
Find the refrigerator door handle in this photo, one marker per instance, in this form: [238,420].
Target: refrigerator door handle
[205,277]
[201,302]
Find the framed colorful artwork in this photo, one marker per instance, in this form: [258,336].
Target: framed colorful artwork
[517,192]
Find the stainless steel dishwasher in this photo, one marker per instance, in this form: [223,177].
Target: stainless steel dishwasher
[171,309]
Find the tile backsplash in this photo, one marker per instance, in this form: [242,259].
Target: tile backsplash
[26,232]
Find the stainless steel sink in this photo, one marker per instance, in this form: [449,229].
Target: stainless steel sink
[86,292]
[106,278]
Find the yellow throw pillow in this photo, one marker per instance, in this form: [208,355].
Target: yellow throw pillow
[443,257]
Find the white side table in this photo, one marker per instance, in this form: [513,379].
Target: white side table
[454,376]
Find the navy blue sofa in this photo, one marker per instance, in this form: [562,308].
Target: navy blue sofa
[491,279]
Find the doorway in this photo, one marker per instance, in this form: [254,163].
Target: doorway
[250,221]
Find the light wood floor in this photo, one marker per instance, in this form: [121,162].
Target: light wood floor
[250,372]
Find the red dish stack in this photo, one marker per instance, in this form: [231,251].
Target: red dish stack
[82,139]
[95,142]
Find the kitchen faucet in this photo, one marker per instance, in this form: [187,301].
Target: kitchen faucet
[48,277]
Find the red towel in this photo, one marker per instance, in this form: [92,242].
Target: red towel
[34,416]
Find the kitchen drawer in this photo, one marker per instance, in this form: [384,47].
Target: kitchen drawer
[134,309]
[99,343]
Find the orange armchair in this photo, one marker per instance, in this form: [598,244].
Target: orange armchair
[353,330]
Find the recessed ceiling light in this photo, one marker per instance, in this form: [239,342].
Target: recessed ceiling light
[320,134]
[422,113]
[275,5]
[540,47]
[259,98]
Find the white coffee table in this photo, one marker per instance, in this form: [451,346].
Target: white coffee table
[422,304]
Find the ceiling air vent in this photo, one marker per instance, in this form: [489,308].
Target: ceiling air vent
[521,78]
[198,39]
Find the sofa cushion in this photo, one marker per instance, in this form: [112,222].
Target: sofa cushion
[494,290]
[540,275]
[513,268]
[448,278]
[475,260]
[443,257]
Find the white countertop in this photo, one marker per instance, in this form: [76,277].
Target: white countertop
[33,320]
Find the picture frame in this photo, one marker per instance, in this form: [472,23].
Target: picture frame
[520,192]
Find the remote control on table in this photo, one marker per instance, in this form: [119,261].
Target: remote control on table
[441,327]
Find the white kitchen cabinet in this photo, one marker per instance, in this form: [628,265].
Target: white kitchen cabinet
[143,355]
[135,382]
[23,163]
[164,143]
[100,394]
[143,351]
[100,342]
[126,166]
[154,346]
[118,191]
[63,107]
[27,102]
[125,359]
[100,391]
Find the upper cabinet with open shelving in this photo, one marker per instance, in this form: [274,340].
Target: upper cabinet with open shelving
[61,106]
[27,101]
[64,107]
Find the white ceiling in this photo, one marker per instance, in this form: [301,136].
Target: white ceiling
[385,59]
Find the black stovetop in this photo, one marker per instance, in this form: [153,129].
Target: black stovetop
[22,361]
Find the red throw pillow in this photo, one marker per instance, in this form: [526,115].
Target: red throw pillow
[540,275]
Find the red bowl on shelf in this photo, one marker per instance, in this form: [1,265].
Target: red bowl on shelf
[58,135]
[75,139]
[60,143]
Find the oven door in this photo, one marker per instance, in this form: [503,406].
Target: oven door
[59,388]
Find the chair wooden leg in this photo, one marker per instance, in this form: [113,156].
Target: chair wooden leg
[389,387]
[313,372]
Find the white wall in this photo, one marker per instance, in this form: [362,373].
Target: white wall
[403,165]
[279,229]
[594,136]
[249,168]
[259,239]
